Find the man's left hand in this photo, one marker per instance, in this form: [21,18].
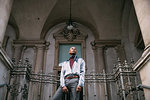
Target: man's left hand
[78,89]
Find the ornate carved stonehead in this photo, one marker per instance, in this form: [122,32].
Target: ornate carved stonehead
[70,34]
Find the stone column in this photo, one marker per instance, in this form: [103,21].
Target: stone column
[142,8]
[5,9]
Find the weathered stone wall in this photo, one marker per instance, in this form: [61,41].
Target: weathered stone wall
[5,66]
[3,80]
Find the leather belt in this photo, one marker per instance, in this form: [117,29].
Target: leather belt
[71,77]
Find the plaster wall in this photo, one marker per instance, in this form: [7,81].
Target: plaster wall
[133,29]
[130,28]
[30,17]
[34,17]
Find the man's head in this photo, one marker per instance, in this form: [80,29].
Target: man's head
[72,51]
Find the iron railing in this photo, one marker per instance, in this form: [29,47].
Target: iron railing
[122,74]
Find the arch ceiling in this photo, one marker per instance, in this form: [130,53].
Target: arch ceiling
[35,17]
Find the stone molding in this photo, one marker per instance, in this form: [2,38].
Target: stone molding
[105,43]
[31,43]
[143,59]
[5,59]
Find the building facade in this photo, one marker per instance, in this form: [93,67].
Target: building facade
[111,36]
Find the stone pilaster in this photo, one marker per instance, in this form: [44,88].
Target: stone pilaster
[142,8]
[5,9]
[39,58]
[99,67]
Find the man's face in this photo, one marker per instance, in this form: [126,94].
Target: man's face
[72,51]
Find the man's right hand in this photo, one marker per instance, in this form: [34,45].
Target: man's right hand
[64,89]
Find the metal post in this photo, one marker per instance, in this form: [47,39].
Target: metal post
[138,94]
[129,81]
[105,85]
[121,79]
[143,86]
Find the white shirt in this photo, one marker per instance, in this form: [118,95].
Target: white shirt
[78,68]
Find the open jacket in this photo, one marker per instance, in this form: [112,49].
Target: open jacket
[78,68]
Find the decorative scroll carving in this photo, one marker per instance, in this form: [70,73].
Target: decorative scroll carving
[71,34]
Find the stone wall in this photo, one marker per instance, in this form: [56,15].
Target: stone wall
[5,67]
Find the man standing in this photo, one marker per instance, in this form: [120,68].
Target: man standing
[72,76]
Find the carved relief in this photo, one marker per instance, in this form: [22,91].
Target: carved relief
[70,35]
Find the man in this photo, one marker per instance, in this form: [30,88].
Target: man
[72,76]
